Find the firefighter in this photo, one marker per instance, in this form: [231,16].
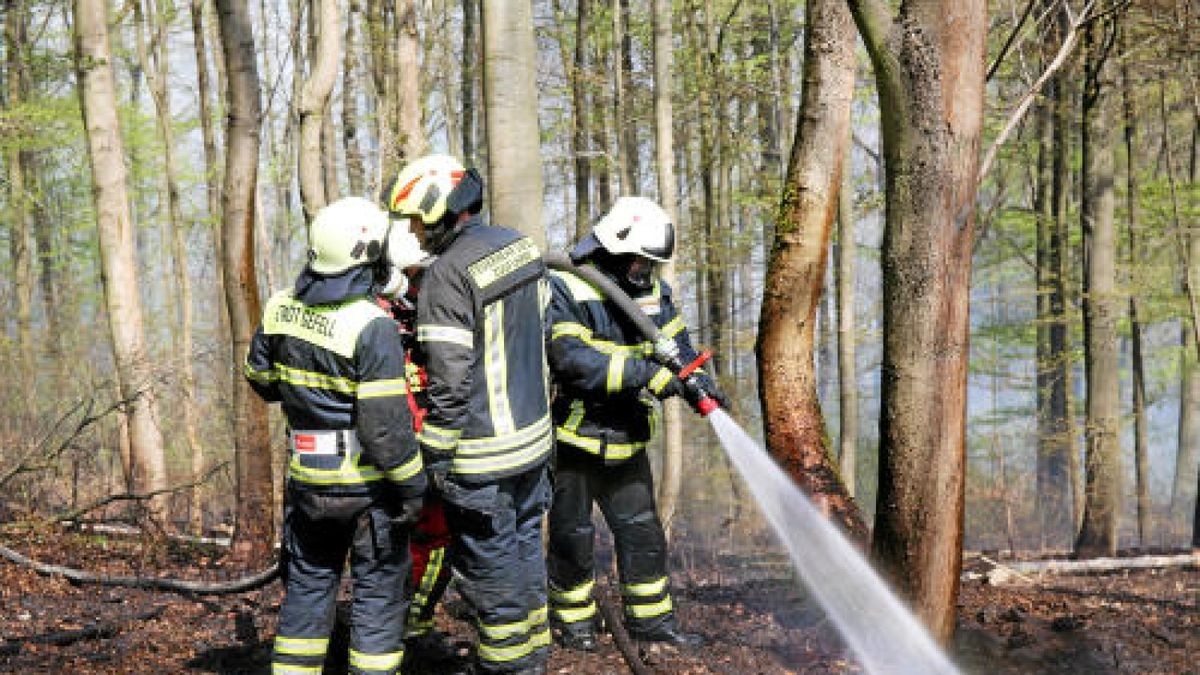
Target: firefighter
[604,416]
[355,479]
[425,647]
[487,435]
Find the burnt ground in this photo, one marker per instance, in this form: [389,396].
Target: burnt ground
[754,615]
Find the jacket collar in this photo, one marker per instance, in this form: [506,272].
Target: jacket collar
[316,289]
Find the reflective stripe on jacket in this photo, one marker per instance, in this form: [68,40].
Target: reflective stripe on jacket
[604,367]
[480,319]
[338,366]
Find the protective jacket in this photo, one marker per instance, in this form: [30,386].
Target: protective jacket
[602,365]
[480,325]
[335,362]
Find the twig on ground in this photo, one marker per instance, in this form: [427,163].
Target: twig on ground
[247,583]
[74,514]
[621,639]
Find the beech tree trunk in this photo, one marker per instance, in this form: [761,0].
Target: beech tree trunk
[314,104]
[847,336]
[20,241]
[929,68]
[1101,509]
[795,427]
[510,100]
[254,537]
[412,135]
[115,227]
[671,477]
[350,114]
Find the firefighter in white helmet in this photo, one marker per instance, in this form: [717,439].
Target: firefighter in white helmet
[604,417]
[334,360]
[487,435]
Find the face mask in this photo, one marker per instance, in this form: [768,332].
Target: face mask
[397,283]
[640,273]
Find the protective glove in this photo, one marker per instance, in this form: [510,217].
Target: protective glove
[673,387]
[437,467]
[406,512]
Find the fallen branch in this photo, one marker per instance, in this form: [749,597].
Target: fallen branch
[101,631]
[122,530]
[1003,574]
[247,583]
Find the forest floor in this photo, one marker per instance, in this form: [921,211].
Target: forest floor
[754,616]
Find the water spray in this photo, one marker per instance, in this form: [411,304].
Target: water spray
[883,634]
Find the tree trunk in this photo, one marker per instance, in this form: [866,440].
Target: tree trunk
[115,227]
[1101,509]
[1183,489]
[626,103]
[350,116]
[314,104]
[795,428]
[929,66]
[255,534]
[470,51]
[664,149]
[156,65]
[19,202]
[1056,458]
[580,131]
[1140,446]
[847,335]
[412,135]
[511,104]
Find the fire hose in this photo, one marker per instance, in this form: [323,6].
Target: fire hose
[666,351]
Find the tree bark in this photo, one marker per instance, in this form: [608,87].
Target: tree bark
[470,51]
[412,135]
[664,149]
[1101,510]
[929,66]
[847,337]
[314,104]
[795,429]
[625,103]
[19,202]
[255,533]
[580,129]
[350,115]
[93,62]
[511,103]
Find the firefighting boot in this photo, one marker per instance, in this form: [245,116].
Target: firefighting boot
[667,632]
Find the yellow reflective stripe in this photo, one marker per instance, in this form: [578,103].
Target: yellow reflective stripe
[451,334]
[386,661]
[575,595]
[335,327]
[292,669]
[580,289]
[645,611]
[514,652]
[523,457]
[648,588]
[574,614]
[443,439]
[498,443]
[495,266]
[569,329]
[673,327]
[406,470]
[660,380]
[263,376]
[538,616]
[495,362]
[504,631]
[594,446]
[616,372]
[433,568]
[382,388]
[349,473]
[301,646]
[576,416]
[307,378]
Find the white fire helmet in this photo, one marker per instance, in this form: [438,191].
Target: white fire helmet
[345,234]
[639,226]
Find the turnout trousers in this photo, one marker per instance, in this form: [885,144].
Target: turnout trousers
[429,545]
[496,531]
[316,550]
[625,494]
